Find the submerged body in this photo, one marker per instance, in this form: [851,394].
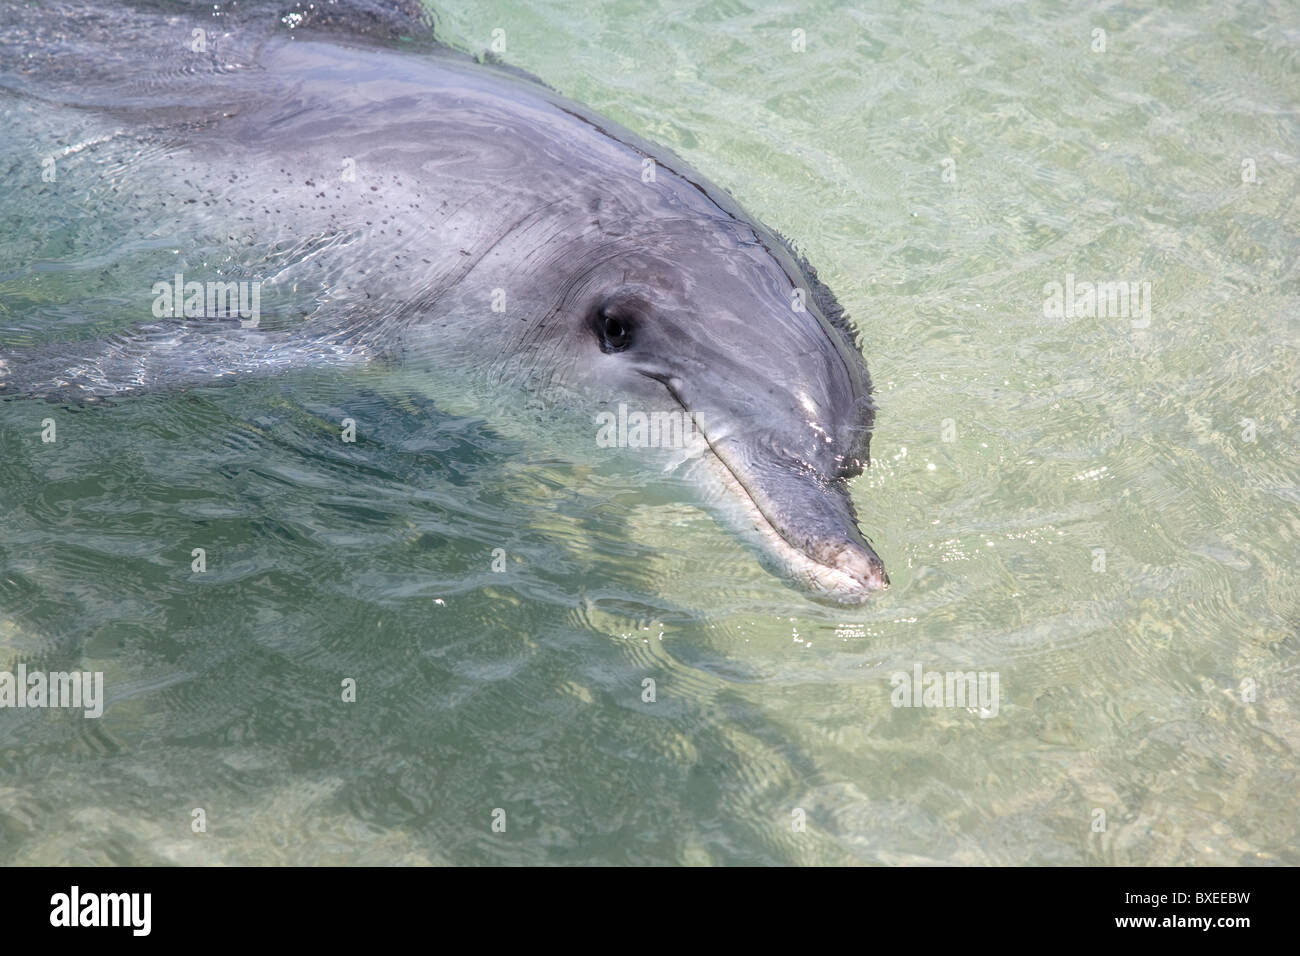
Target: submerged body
[430,211]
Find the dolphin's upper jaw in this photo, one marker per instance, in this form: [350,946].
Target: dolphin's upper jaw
[812,535]
[843,571]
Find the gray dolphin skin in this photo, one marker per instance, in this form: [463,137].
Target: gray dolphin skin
[403,204]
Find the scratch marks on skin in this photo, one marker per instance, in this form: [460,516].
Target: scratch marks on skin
[86,144]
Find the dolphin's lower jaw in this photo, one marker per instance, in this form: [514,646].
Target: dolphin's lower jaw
[837,568]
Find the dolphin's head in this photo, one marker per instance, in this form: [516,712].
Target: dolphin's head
[719,323]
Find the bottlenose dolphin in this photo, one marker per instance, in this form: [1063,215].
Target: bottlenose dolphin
[400,203]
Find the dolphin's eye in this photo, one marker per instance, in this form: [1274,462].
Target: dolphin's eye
[615,332]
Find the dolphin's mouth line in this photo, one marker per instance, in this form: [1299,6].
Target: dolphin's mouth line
[731,471]
[773,528]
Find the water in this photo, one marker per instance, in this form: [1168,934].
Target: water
[1112,528]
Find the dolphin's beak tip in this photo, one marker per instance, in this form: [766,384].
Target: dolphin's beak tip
[864,566]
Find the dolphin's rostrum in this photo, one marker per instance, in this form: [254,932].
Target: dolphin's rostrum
[424,209]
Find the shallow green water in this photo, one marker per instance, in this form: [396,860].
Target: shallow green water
[1126,684]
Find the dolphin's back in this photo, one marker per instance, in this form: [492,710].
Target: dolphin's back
[357,185]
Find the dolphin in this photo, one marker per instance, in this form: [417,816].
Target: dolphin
[398,203]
